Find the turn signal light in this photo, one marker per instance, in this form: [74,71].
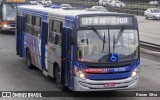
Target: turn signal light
[4,23]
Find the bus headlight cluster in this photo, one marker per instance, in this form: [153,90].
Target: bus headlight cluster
[5,26]
[135,72]
[79,73]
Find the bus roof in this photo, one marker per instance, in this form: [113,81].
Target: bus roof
[59,11]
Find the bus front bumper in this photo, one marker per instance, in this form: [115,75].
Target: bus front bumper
[99,85]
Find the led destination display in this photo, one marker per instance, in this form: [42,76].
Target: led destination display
[15,1]
[105,20]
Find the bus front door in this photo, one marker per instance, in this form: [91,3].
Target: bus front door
[19,37]
[67,57]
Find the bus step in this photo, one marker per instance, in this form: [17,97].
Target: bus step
[45,72]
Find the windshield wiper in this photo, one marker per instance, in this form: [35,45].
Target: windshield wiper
[103,39]
[115,41]
[104,42]
[95,31]
[11,5]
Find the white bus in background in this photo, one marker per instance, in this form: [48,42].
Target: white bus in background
[104,2]
[117,4]
[33,2]
[43,2]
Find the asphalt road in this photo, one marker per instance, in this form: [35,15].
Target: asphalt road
[15,76]
[149,30]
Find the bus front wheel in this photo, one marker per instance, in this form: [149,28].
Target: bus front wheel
[58,79]
[28,60]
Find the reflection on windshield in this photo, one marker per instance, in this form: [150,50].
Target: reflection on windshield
[157,11]
[90,48]
[9,12]
[126,46]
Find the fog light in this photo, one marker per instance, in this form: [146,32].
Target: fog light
[135,72]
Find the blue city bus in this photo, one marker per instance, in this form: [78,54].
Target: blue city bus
[83,50]
[8,14]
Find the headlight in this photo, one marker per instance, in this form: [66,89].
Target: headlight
[79,73]
[6,26]
[135,72]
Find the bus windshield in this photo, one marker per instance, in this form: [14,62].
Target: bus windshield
[9,12]
[96,46]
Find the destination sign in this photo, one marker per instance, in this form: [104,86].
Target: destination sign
[105,20]
[15,1]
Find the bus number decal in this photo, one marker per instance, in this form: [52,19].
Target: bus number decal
[119,69]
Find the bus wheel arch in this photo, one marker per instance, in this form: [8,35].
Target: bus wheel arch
[56,73]
[57,76]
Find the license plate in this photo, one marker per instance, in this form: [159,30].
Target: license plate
[109,84]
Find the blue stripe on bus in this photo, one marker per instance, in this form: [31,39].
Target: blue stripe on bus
[12,25]
[108,76]
[43,45]
[69,25]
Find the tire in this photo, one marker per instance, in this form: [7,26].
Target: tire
[154,18]
[3,32]
[28,60]
[58,79]
[146,17]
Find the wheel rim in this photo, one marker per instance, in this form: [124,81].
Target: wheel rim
[58,76]
[154,17]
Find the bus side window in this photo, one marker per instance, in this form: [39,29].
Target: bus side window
[56,26]
[28,24]
[37,25]
[24,22]
[50,31]
[46,34]
[55,32]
